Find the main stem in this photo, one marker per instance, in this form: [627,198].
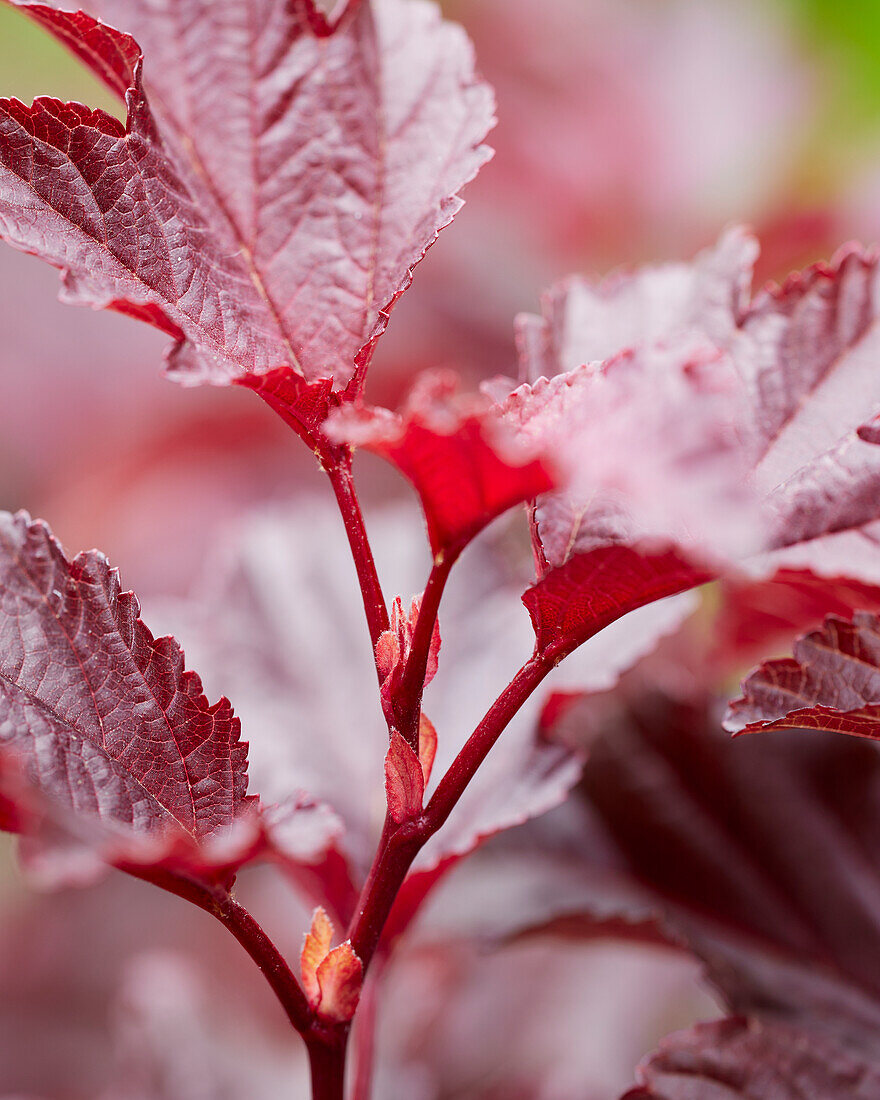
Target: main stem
[401,842]
[398,847]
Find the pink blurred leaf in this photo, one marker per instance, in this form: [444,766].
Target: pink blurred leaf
[806,352]
[305,837]
[208,216]
[832,683]
[755,446]
[587,321]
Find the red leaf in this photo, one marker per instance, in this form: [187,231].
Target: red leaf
[278,179]
[832,683]
[448,446]
[108,726]
[303,405]
[573,602]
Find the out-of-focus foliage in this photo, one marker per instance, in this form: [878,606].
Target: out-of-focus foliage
[846,38]
[32,64]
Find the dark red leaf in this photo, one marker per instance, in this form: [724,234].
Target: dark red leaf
[759,851]
[109,728]
[739,1059]
[832,683]
[759,855]
[278,179]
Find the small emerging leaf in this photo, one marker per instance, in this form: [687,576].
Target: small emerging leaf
[404,779]
[393,650]
[427,745]
[340,977]
[331,978]
[316,947]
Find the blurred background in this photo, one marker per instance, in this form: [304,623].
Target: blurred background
[629,131]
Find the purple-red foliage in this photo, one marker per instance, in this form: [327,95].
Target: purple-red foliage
[280,173]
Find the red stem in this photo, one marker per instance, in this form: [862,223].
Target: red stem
[327,1066]
[400,844]
[375,607]
[269,959]
[475,750]
[398,847]
[220,904]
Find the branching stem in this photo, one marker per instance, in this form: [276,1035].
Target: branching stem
[401,842]
[475,750]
